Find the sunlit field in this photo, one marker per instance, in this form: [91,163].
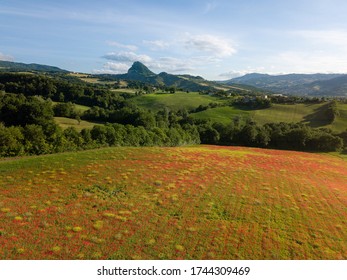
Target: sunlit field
[202,202]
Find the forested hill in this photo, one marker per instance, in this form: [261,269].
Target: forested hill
[8,66]
[139,72]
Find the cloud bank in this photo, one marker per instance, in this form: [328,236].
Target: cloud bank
[214,45]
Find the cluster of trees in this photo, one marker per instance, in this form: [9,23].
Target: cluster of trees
[201,108]
[292,136]
[27,127]
[332,111]
[252,102]
[61,89]
[291,99]
[67,110]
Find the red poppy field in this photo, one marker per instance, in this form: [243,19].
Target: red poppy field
[202,202]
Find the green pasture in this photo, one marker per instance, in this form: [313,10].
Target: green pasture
[67,122]
[179,100]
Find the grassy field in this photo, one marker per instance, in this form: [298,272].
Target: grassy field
[88,79]
[125,90]
[289,113]
[202,202]
[179,100]
[221,114]
[66,122]
[340,124]
[310,114]
[79,108]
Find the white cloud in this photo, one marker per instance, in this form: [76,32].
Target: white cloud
[122,46]
[128,57]
[157,44]
[217,46]
[172,65]
[113,68]
[6,57]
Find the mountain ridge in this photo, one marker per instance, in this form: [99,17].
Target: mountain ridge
[139,68]
[292,84]
[10,66]
[139,72]
[296,84]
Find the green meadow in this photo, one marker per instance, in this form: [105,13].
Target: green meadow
[179,100]
[199,202]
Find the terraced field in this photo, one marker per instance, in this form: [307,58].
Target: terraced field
[202,202]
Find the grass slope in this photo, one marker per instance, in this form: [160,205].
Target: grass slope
[67,122]
[179,100]
[201,202]
[340,124]
[221,114]
[80,108]
[311,114]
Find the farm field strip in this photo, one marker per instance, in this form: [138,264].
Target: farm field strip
[201,202]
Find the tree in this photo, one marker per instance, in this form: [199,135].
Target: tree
[34,140]
[74,140]
[98,134]
[297,138]
[67,110]
[11,141]
[263,137]
[248,134]
[208,135]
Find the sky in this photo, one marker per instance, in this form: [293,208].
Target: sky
[215,39]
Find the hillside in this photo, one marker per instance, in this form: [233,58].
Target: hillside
[179,100]
[335,86]
[297,84]
[8,66]
[311,114]
[203,202]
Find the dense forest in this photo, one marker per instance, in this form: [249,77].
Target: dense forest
[29,102]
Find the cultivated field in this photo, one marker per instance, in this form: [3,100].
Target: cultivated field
[202,202]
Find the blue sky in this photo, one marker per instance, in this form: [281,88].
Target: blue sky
[216,39]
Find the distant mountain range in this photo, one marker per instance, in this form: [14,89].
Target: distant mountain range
[296,84]
[139,72]
[292,84]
